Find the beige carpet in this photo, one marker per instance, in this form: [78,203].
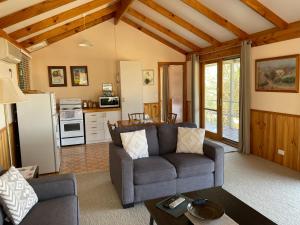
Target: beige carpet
[269,188]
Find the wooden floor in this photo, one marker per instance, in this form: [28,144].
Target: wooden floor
[84,158]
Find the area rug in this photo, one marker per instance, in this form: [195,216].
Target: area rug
[100,205]
[269,188]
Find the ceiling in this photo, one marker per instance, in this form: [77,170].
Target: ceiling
[235,13]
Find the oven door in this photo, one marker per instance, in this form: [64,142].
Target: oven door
[72,128]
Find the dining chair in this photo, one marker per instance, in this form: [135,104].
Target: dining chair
[111,128]
[136,116]
[172,118]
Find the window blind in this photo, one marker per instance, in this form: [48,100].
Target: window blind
[24,73]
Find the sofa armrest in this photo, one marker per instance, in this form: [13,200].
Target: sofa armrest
[54,186]
[121,173]
[216,153]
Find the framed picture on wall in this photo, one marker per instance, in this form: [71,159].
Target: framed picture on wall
[57,76]
[279,74]
[148,77]
[79,76]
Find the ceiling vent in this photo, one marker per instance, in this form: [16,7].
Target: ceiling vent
[37,46]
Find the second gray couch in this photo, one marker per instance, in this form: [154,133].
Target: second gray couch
[164,172]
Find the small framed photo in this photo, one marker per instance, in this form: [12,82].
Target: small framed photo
[148,77]
[278,74]
[57,76]
[79,76]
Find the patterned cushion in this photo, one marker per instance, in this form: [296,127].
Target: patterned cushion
[190,140]
[135,144]
[16,195]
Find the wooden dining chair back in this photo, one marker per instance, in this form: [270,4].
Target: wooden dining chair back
[136,116]
[111,128]
[172,118]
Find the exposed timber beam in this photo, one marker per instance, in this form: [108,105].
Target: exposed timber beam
[181,22]
[79,29]
[31,11]
[216,18]
[124,6]
[153,35]
[69,26]
[58,18]
[266,13]
[162,29]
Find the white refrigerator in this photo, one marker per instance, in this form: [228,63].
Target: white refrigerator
[39,132]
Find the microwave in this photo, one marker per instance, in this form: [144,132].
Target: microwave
[109,102]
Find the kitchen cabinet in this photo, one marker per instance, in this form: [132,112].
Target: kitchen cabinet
[96,129]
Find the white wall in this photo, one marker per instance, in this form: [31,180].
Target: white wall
[4,72]
[111,44]
[275,101]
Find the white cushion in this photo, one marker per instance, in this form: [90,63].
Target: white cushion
[135,144]
[190,140]
[16,195]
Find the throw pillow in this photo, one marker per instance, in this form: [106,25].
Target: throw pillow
[16,195]
[135,144]
[190,140]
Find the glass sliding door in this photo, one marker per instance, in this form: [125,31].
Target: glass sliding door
[220,99]
[211,97]
[230,99]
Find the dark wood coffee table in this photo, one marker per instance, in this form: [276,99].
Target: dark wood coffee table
[234,208]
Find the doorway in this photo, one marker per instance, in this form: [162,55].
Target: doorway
[220,99]
[172,89]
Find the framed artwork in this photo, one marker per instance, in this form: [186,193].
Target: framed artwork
[79,76]
[148,77]
[57,76]
[279,74]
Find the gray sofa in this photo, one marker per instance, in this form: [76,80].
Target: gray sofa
[164,172]
[58,202]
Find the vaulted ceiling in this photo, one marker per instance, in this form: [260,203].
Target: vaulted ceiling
[184,25]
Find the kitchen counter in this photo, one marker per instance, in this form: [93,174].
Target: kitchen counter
[91,110]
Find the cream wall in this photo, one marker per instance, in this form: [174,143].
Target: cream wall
[111,44]
[4,72]
[275,101]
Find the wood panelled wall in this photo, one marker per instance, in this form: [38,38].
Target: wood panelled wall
[4,152]
[271,131]
[153,110]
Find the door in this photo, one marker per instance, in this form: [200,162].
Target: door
[211,106]
[172,90]
[131,88]
[220,99]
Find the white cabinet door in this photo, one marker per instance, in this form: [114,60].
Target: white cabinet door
[131,88]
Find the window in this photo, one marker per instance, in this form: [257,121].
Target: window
[24,73]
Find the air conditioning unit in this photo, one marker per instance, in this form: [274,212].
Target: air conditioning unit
[9,52]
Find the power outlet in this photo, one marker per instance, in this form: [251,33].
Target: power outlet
[280,152]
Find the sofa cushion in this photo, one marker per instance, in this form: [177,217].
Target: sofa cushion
[152,170]
[151,134]
[53,212]
[167,136]
[189,165]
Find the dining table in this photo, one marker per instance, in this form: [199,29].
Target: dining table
[128,123]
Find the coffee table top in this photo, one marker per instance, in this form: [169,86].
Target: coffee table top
[234,208]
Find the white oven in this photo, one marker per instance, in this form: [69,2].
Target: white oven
[71,128]
[71,122]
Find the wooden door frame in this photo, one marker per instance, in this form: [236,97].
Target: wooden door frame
[219,135]
[184,105]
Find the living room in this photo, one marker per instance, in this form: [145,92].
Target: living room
[104,106]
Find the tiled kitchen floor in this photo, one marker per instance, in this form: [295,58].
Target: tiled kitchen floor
[84,158]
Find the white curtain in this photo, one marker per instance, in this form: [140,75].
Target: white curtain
[195,89]
[245,98]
